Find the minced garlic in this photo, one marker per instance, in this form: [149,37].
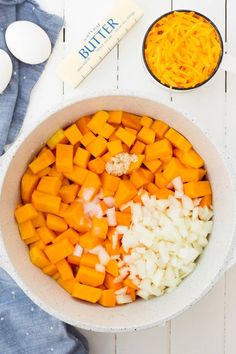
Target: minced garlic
[119,164]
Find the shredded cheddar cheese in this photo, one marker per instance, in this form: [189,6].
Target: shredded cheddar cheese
[182,49]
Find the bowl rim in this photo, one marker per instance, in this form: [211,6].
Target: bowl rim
[174,87]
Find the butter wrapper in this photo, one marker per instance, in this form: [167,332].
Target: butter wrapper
[99,42]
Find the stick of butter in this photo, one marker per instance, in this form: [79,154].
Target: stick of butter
[99,42]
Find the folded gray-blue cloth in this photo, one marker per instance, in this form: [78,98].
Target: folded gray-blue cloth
[14,100]
[26,329]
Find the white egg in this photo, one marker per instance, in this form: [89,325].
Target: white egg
[5,70]
[28,42]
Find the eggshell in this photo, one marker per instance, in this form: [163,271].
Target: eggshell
[5,70]
[28,42]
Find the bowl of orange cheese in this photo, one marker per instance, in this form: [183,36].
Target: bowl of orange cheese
[182,49]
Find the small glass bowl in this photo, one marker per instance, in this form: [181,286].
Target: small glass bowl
[199,84]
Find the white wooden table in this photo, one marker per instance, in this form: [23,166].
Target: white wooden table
[208,327]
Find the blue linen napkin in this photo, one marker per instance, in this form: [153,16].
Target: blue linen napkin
[14,100]
[26,329]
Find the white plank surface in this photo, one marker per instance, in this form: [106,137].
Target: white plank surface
[208,327]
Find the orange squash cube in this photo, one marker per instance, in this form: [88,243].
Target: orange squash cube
[45,159]
[39,220]
[82,124]
[97,147]
[153,165]
[70,234]
[146,121]
[146,135]
[25,213]
[206,201]
[49,185]
[50,270]
[138,148]
[115,117]
[75,217]
[82,157]
[46,235]
[89,276]
[125,136]
[192,158]
[159,149]
[97,165]
[26,229]
[109,282]
[108,298]
[99,227]
[160,128]
[138,179]
[57,138]
[85,292]
[106,157]
[75,260]
[107,131]
[160,180]
[98,121]
[56,223]
[68,193]
[114,147]
[131,120]
[64,269]
[135,165]
[57,251]
[112,268]
[178,140]
[197,189]
[89,260]
[28,185]
[45,202]
[64,158]
[126,191]
[172,170]
[90,186]
[73,134]
[110,184]
[38,258]
[67,285]
[78,175]
[88,241]
[87,138]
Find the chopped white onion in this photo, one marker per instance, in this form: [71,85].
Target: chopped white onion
[100,268]
[121,291]
[110,201]
[78,250]
[123,299]
[111,216]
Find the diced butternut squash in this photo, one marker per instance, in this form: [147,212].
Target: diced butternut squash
[197,189]
[128,282]
[39,220]
[110,184]
[107,131]
[172,170]
[131,120]
[87,138]
[89,260]
[31,240]
[57,138]
[54,173]
[88,241]
[85,292]
[90,186]
[125,136]
[26,229]
[70,234]
[146,135]
[97,165]
[45,202]
[160,180]
[192,174]
[56,223]
[160,128]
[44,160]
[82,157]
[138,148]
[146,121]
[57,251]
[89,276]
[67,285]
[46,235]
[68,193]
[135,165]
[50,270]
[111,250]
[147,174]
[123,218]
[99,227]
[64,158]
[109,282]
[108,298]
[138,179]
[153,165]
[98,121]
[98,146]
[75,260]
[192,158]
[44,172]
[73,134]
[115,117]
[115,147]
[62,209]
[178,140]
[28,185]
[106,157]
[49,185]
[75,217]
[64,270]
[206,201]
[40,244]
[159,149]
[126,191]
[38,257]
[82,124]
[25,213]
[164,193]
[112,268]
[77,175]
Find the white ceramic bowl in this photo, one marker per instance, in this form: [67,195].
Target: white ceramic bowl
[140,314]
